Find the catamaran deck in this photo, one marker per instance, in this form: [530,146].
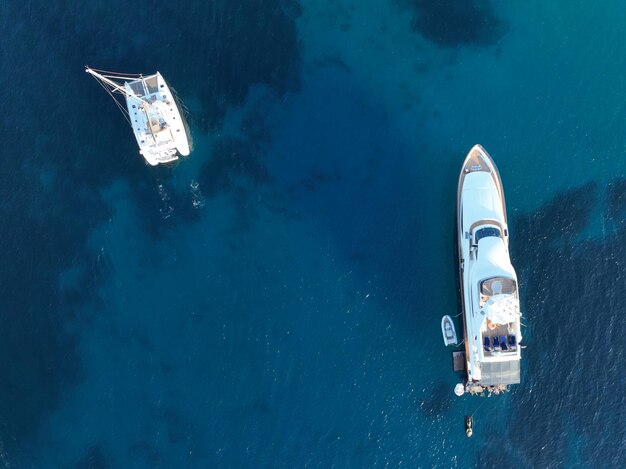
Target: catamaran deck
[156,119]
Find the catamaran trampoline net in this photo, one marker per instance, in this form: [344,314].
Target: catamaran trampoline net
[152,84]
[137,88]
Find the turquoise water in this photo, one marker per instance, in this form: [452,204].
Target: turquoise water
[275,299]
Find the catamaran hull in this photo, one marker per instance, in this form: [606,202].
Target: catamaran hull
[149,127]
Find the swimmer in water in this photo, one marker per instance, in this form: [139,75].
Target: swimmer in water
[469,422]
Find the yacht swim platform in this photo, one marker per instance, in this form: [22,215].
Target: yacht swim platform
[458,361]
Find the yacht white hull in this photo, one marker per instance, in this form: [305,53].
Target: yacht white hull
[489,291]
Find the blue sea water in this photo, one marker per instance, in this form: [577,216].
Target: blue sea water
[274,300]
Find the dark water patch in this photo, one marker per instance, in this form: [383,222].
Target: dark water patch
[181,430]
[94,459]
[234,167]
[455,23]
[498,448]
[315,179]
[235,49]
[143,452]
[166,368]
[178,427]
[238,166]
[566,215]
[333,62]
[354,181]
[574,293]
[260,406]
[616,199]
[237,170]
[338,15]
[44,230]
[291,8]
[254,125]
[276,203]
[437,402]
[227,46]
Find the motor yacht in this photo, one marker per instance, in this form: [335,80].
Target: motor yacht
[489,288]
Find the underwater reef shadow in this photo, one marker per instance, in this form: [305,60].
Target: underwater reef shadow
[439,400]
[238,168]
[94,458]
[455,23]
[214,50]
[48,271]
[616,200]
[570,380]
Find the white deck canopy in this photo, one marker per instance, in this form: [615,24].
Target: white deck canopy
[492,260]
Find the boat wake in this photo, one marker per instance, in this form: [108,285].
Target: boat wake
[197,198]
[478,390]
[166,210]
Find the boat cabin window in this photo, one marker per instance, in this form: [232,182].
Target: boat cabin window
[485,232]
[498,286]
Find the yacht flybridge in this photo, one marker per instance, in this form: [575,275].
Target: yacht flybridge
[152,112]
[489,290]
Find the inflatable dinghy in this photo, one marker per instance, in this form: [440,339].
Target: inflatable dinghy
[448,331]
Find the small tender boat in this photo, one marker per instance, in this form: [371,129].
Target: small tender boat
[152,112]
[448,331]
[489,289]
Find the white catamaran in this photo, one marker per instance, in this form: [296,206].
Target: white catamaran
[152,112]
[489,290]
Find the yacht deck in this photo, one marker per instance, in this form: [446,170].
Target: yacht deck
[500,372]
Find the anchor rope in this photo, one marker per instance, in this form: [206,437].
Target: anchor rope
[482,404]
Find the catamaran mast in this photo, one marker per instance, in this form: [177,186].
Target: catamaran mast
[127,93]
[112,84]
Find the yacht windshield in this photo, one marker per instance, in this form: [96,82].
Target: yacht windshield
[498,286]
[484,232]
